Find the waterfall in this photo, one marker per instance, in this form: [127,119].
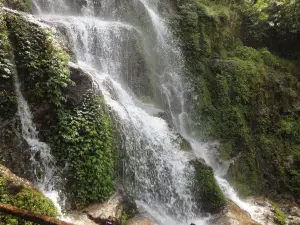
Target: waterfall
[41,159]
[157,171]
[174,91]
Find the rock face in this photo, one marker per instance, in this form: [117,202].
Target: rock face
[22,194]
[119,207]
[13,148]
[233,215]
[242,99]
[208,194]
[30,50]
[14,179]
[82,83]
[139,220]
[111,208]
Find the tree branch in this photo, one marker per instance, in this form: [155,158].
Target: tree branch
[30,216]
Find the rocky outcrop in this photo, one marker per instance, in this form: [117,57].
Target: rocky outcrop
[22,5]
[13,149]
[22,194]
[245,98]
[208,194]
[233,215]
[140,220]
[119,207]
[15,180]
[82,83]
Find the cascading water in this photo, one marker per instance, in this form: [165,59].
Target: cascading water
[159,169]
[174,92]
[157,172]
[41,159]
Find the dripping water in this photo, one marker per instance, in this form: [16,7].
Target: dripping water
[41,159]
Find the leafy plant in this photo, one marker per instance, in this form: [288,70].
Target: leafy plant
[41,64]
[24,198]
[84,143]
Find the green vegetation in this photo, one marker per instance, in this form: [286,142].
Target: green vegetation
[84,143]
[208,194]
[124,218]
[80,137]
[129,209]
[41,64]
[248,96]
[278,20]
[7,96]
[23,198]
[280,216]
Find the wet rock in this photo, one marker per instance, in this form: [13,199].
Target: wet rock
[162,115]
[185,145]
[140,220]
[63,36]
[295,211]
[14,149]
[13,180]
[233,215]
[207,193]
[21,193]
[111,208]
[117,205]
[83,83]
[291,209]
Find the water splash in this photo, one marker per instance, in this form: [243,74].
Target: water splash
[157,167]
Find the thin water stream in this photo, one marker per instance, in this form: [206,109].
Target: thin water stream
[46,176]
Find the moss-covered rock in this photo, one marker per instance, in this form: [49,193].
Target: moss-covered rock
[41,63]
[247,98]
[20,193]
[280,217]
[83,141]
[208,194]
[12,146]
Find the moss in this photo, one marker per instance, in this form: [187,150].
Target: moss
[23,198]
[280,217]
[7,95]
[80,137]
[83,141]
[209,196]
[41,64]
[246,97]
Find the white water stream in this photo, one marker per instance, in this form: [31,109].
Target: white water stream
[41,158]
[157,171]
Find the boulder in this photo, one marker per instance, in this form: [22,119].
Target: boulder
[139,220]
[83,83]
[233,215]
[207,193]
[115,207]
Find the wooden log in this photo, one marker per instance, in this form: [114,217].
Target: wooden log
[30,216]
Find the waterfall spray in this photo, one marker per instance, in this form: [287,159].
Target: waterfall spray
[157,171]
